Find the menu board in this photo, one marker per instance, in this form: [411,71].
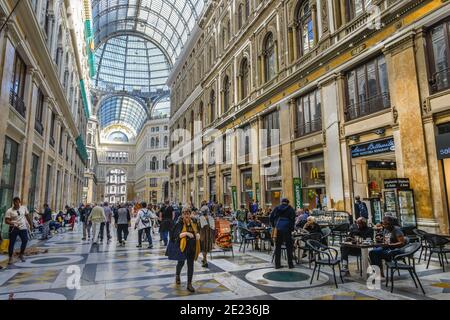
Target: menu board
[407,209]
[390,201]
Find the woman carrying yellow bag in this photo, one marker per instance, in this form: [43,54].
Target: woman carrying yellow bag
[184,246]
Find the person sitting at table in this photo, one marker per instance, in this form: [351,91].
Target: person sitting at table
[359,229]
[393,241]
[254,223]
[301,218]
[312,226]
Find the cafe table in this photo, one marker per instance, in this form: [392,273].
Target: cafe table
[364,246]
[261,232]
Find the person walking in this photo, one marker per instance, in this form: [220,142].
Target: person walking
[144,225]
[84,215]
[96,218]
[123,223]
[107,223]
[46,219]
[283,220]
[242,218]
[167,217]
[207,230]
[72,216]
[16,218]
[184,246]
[361,209]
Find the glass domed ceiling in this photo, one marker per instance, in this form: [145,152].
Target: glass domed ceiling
[130,63]
[123,110]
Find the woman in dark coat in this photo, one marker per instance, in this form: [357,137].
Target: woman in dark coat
[184,246]
[166,217]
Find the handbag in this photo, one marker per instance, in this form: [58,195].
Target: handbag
[173,251]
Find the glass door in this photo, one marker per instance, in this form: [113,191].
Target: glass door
[407,208]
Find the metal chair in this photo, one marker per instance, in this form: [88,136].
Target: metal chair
[325,256]
[408,253]
[339,231]
[305,248]
[247,238]
[437,244]
[420,233]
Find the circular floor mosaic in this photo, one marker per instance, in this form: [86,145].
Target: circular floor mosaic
[49,261]
[289,278]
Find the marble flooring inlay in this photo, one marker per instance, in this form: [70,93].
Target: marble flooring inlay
[67,268]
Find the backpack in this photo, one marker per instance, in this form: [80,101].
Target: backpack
[146,219]
[363,210]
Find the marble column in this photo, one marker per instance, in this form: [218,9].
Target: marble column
[332,150]
[410,139]
[7,53]
[30,100]
[286,114]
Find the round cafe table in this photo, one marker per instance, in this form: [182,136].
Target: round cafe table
[364,253]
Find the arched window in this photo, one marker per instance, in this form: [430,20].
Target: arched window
[247,9]
[154,164]
[244,78]
[212,106]
[240,16]
[305,31]
[226,93]
[269,57]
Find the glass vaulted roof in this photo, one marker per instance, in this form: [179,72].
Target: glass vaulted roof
[167,22]
[124,110]
[131,63]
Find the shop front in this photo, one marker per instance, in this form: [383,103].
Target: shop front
[246,187]
[312,174]
[443,155]
[374,177]
[273,184]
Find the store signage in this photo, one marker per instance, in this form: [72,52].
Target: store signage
[443,146]
[234,197]
[371,148]
[314,173]
[397,183]
[298,199]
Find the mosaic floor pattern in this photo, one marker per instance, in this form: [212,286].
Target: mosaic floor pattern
[71,269]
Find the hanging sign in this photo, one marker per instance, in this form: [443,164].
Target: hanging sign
[298,199]
[371,148]
[234,197]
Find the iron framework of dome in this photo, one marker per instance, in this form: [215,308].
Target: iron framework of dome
[137,43]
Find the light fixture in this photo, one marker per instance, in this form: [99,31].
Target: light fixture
[383,163]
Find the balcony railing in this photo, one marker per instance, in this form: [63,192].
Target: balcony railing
[39,127]
[307,128]
[18,103]
[368,106]
[440,80]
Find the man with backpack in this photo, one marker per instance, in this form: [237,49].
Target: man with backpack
[361,209]
[283,220]
[144,224]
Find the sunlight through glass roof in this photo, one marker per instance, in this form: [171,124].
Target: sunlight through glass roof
[130,63]
[122,110]
[168,22]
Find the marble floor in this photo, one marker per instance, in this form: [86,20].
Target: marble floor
[67,268]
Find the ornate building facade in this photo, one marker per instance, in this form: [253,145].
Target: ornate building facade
[356,92]
[44,103]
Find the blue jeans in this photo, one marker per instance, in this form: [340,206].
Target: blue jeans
[165,237]
[377,255]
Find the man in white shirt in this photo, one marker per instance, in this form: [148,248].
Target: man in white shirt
[16,217]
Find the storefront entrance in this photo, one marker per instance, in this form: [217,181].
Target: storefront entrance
[373,163]
[312,174]
[246,187]
[443,154]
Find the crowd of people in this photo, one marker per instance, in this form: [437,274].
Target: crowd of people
[188,232]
